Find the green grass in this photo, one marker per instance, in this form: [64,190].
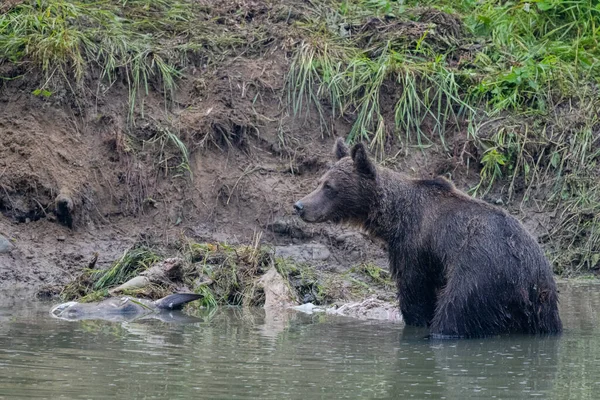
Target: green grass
[138,43]
[351,78]
[232,270]
[171,152]
[519,78]
[132,263]
[227,274]
[93,285]
[377,275]
[524,61]
[306,281]
[224,274]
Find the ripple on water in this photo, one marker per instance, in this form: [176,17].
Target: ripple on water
[234,354]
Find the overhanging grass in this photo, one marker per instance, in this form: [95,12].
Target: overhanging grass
[465,64]
[139,42]
[514,56]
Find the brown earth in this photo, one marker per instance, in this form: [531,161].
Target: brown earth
[123,189]
[249,160]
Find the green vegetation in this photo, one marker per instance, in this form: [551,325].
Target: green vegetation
[132,262]
[377,275]
[441,65]
[518,78]
[509,88]
[224,274]
[228,275]
[93,284]
[309,284]
[232,271]
[138,43]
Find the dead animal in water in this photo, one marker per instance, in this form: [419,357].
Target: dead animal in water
[123,308]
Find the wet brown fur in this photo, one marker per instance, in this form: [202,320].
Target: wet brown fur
[463,267]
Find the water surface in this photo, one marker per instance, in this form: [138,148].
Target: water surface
[230,353]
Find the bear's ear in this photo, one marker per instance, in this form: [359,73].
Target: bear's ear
[340,150]
[362,163]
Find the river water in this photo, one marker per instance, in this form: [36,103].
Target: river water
[251,354]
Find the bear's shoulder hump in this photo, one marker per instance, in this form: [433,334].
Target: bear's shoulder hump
[437,183]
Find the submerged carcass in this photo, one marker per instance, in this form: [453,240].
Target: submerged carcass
[125,308]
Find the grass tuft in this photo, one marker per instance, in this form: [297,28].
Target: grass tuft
[93,285]
[518,80]
[139,43]
[133,262]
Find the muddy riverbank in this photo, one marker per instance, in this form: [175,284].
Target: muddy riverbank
[89,170]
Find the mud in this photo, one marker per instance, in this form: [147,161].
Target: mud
[249,161]
[125,180]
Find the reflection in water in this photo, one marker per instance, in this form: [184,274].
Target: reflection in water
[507,367]
[230,353]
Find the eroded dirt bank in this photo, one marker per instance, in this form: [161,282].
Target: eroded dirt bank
[221,159]
[248,162]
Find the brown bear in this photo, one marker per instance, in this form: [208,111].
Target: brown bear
[463,267]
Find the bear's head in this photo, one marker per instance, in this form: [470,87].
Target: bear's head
[346,192]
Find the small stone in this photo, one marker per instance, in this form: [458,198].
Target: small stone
[5,245]
[348,236]
[320,253]
[304,252]
[61,238]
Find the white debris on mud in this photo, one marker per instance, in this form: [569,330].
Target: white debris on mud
[371,308]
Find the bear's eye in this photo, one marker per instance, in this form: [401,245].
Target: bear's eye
[328,188]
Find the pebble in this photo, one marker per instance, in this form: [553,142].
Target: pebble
[5,245]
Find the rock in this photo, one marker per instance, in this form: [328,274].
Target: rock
[5,245]
[61,238]
[169,268]
[290,227]
[371,308]
[304,252]
[277,291]
[137,282]
[348,236]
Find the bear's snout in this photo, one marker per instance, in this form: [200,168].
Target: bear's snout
[298,207]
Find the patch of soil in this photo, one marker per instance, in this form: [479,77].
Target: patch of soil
[249,160]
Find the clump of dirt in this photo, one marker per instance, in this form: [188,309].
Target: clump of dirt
[8,4]
[446,24]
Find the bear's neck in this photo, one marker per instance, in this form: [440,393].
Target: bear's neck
[394,217]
